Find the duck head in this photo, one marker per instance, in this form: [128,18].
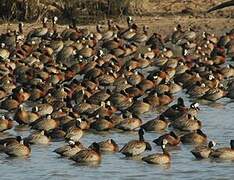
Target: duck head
[141,134]
[164,143]
[71,143]
[211,144]
[180,102]
[95,146]
[232,144]
[195,106]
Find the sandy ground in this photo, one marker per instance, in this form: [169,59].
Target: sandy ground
[162,16]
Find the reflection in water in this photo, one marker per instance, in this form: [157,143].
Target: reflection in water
[94,164]
[162,166]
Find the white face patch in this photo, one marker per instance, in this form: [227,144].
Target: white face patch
[165,142]
[213,143]
[108,103]
[211,77]
[155,77]
[185,52]
[196,105]
[79,119]
[203,85]
[71,142]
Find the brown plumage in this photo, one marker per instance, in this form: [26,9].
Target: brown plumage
[88,155]
[158,158]
[136,147]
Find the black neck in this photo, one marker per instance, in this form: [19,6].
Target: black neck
[141,137]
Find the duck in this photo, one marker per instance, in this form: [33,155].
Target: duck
[230,89]
[152,99]
[45,123]
[198,90]
[102,124]
[146,85]
[165,98]
[172,139]
[74,133]
[187,122]
[159,158]
[4,52]
[39,32]
[69,150]
[129,123]
[135,78]
[140,37]
[25,117]
[203,152]
[9,141]
[105,109]
[43,109]
[215,94]
[99,96]
[175,110]
[20,149]
[10,104]
[158,124]
[197,137]
[90,155]
[108,145]
[193,109]
[136,147]
[227,71]
[225,153]
[134,92]
[5,123]
[21,96]
[38,137]
[121,100]
[140,107]
[3,93]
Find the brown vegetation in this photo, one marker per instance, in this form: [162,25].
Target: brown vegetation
[93,10]
[29,10]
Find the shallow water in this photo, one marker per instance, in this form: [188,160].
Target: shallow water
[44,164]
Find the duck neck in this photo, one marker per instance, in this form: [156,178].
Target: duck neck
[164,150]
[97,150]
[44,24]
[232,144]
[54,27]
[20,28]
[141,137]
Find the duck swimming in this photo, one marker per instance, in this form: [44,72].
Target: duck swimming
[70,149]
[136,147]
[172,139]
[203,152]
[20,149]
[88,155]
[158,158]
[225,153]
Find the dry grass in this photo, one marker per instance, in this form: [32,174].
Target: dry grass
[29,10]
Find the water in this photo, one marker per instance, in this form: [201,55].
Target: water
[217,121]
